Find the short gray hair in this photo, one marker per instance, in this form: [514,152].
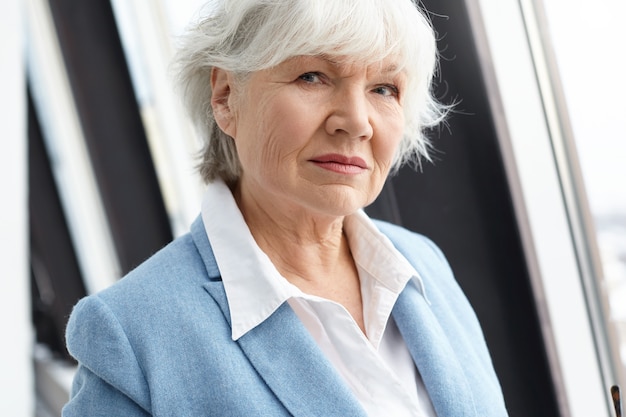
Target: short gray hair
[244,36]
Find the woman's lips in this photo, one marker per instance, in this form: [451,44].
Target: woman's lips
[341,164]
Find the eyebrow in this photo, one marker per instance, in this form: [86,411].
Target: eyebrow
[391,68]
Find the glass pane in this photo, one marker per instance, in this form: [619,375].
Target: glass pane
[587,40]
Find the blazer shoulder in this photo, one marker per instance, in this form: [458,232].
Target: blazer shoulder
[169,271]
[95,337]
[175,267]
[171,280]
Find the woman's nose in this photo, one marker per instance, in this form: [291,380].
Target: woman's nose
[350,115]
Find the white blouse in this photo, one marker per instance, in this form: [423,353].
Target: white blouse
[377,367]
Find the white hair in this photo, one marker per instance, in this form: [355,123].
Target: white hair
[244,36]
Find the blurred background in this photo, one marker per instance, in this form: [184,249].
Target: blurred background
[525,196]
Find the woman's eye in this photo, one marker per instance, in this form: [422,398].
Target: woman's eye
[387,90]
[310,77]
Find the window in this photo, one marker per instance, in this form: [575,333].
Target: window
[586,41]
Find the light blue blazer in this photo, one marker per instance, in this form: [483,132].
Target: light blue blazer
[158,343]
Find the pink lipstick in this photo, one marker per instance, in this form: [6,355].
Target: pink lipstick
[341,164]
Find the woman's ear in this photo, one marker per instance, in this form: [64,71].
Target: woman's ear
[221,101]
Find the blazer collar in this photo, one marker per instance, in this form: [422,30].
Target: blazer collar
[283,353]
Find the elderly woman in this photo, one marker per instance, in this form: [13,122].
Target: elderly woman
[285,298]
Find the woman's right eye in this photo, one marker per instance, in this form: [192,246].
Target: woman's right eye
[311,77]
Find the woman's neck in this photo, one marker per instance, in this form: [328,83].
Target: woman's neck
[310,251]
[295,240]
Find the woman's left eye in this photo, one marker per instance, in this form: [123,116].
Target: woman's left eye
[387,90]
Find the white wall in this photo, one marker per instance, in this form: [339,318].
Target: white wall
[16,376]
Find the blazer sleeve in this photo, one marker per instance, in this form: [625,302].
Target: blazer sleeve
[109,380]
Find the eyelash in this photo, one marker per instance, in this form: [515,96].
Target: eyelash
[394,91]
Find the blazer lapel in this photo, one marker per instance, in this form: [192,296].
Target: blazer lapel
[292,365]
[289,361]
[433,355]
[284,354]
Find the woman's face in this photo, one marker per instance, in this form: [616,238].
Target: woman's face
[313,134]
